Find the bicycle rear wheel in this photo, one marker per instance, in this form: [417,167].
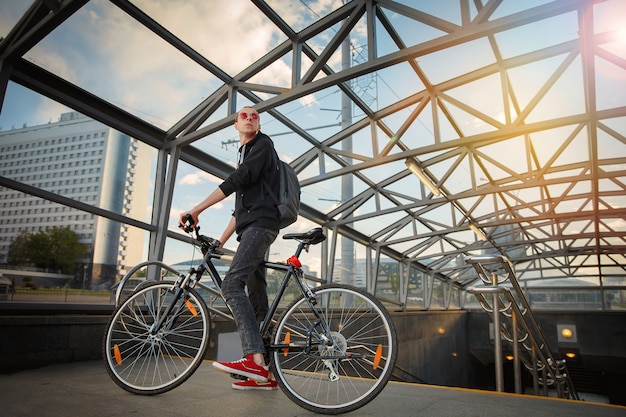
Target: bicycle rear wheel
[342,374]
[145,360]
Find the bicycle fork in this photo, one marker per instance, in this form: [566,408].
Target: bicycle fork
[179,287]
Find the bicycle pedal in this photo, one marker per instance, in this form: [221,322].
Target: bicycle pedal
[240,377]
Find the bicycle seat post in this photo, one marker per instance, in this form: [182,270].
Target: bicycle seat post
[301,246]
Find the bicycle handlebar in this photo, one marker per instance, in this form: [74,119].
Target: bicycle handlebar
[312,237]
[188,226]
[207,243]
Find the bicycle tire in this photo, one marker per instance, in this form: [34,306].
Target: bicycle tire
[364,350]
[150,364]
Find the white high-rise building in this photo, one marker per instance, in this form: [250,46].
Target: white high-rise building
[84,160]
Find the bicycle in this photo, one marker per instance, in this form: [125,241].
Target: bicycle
[333,349]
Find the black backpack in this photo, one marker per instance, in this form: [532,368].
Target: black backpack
[288,200]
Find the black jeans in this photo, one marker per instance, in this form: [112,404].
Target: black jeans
[246,271]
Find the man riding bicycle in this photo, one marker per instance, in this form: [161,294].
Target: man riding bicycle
[256,221]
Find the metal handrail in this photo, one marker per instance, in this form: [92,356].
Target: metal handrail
[510,304]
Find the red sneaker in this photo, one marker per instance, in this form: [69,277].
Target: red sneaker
[244,367]
[251,384]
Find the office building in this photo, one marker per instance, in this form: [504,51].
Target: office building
[86,161]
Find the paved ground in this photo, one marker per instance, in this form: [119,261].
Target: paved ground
[84,389]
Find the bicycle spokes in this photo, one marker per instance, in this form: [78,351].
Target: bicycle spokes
[156,339]
[337,357]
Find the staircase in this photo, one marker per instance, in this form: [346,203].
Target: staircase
[514,322]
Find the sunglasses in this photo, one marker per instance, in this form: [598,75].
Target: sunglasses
[243,115]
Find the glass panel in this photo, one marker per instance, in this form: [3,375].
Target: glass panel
[106,52]
[23,108]
[613,280]
[12,11]
[471,302]
[536,36]
[581,281]
[455,299]
[301,14]
[388,284]
[569,299]
[90,167]
[615,299]
[80,159]
[204,25]
[437,297]
[415,297]
[76,261]
[110,54]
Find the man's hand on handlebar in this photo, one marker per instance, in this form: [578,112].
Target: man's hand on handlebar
[187,222]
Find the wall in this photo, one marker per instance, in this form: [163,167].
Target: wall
[433,347]
[599,365]
[40,337]
[450,348]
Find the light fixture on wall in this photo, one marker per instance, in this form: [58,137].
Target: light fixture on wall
[566,333]
[481,235]
[413,166]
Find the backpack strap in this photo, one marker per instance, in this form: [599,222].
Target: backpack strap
[270,192]
[267,186]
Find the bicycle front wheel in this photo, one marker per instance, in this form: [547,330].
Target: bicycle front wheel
[342,360]
[155,341]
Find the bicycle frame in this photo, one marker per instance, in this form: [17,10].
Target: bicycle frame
[292,268]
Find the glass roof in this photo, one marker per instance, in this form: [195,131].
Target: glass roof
[514,111]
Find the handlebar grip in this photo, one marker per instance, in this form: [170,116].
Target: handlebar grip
[189,222]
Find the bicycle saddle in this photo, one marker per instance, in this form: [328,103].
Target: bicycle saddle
[312,237]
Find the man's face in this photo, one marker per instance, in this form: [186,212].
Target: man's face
[248,121]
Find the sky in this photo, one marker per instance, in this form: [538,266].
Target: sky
[130,67]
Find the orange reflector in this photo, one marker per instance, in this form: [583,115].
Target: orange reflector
[378,356]
[287,341]
[117,354]
[191,308]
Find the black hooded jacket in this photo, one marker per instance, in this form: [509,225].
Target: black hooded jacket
[253,205]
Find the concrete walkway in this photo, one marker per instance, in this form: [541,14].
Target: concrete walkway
[84,389]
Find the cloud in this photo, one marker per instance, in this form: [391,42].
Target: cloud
[199,177]
[106,52]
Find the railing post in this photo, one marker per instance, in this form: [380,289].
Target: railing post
[517,372]
[535,371]
[497,339]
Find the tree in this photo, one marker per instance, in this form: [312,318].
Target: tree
[57,248]
[19,249]
[65,249]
